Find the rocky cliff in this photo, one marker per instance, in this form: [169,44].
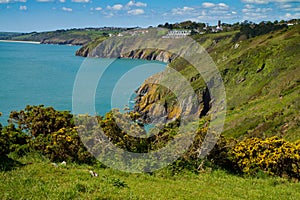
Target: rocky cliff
[144,54]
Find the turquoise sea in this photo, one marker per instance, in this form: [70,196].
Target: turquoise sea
[34,74]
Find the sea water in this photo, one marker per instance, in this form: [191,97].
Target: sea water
[38,74]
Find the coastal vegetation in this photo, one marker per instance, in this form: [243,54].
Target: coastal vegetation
[64,37]
[256,157]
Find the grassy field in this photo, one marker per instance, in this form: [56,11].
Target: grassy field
[36,178]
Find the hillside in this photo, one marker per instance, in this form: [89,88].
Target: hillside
[37,178]
[261,76]
[64,37]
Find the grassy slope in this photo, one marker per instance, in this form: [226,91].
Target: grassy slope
[261,77]
[41,180]
[74,36]
[267,101]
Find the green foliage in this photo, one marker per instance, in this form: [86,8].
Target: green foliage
[183,25]
[12,140]
[64,144]
[273,156]
[4,145]
[48,131]
[38,120]
[251,30]
[17,141]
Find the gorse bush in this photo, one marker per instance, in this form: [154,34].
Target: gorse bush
[4,146]
[274,156]
[37,120]
[45,130]
[54,134]
[16,140]
[64,144]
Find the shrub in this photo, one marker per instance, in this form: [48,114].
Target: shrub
[64,144]
[274,156]
[16,140]
[37,120]
[4,146]
[45,130]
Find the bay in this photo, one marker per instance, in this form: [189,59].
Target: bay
[35,74]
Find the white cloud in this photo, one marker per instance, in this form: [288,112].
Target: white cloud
[289,7]
[291,16]
[67,9]
[4,1]
[115,7]
[249,6]
[136,12]
[11,1]
[62,1]
[223,5]
[208,5]
[137,4]
[23,7]
[81,1]
[269,1]
[182,11]
[97,9]
[185,8]
[285,6]
[215,6]
[140,4]
[44,0]
[263,10]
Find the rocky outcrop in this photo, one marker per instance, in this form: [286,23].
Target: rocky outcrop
[157,104]
[151,54]
[144,54]
[59,41]
[83,51]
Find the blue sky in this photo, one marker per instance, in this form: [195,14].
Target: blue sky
[41,15]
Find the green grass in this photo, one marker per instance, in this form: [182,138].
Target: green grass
[37,178]
[73,36]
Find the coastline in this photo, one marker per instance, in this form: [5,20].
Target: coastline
[19,41]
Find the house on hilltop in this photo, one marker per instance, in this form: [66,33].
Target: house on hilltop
[178,34]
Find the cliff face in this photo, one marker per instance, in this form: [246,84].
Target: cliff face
[61,41]
[156,103]
[144,54]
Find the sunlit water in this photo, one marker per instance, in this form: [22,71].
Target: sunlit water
[33,74]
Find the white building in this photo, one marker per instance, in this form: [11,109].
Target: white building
[178,34]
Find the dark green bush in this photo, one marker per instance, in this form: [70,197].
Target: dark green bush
[48,131]
[17,141]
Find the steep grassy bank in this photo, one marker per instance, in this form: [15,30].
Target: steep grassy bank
[37,178]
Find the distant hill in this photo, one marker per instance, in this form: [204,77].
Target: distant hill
[66,37]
